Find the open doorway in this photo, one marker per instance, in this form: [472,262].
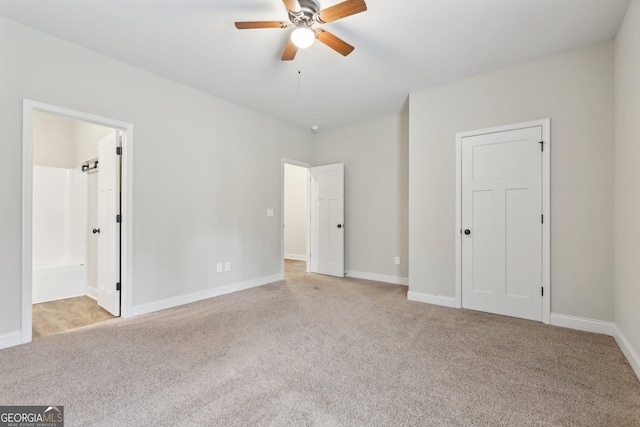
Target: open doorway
[76,231]
[66,230]
[312,219]
[295,217]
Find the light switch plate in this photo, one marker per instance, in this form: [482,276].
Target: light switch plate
[227,266]
[219,267]
[269,212]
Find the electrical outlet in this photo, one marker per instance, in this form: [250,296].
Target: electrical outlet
[227,266]
[397,260]
[219,267]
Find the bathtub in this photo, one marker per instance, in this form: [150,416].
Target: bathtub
[59,279]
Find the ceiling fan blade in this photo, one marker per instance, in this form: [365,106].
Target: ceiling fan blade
[261,24]
[334,42]
[292,5]
[341,10]
[289,51]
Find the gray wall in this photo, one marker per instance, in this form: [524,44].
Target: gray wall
[627,178]
[205,170]
[376,157]
[574,89]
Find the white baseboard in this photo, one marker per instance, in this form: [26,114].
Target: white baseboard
[629,352]
[432,299]
[378,277]
[166,303]
[298,257]
[92,293]
[582,324]
[10,339]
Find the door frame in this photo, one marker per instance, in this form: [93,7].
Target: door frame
[29,107]
[285,161]
[545,125]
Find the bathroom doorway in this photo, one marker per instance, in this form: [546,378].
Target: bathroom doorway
[76,233]
[66,230]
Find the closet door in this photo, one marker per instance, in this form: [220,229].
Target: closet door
[502,223]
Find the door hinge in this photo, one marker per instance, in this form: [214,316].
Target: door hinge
[542,289]
[541,145]
[118,286]
[119,151]
[118,218]
[542,219]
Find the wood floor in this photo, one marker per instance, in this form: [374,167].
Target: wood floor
[294,268]
[58,316]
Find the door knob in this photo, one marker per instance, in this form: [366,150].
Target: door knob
[467,231]
[339,225]
[96,230]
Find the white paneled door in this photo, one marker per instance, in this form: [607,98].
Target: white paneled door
[327,220]
[502,223]
[108,220]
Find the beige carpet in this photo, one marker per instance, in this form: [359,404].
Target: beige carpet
[314,350]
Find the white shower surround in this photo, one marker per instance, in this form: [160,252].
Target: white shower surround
[59,233]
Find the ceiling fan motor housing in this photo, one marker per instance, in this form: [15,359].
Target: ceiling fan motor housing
[309,8]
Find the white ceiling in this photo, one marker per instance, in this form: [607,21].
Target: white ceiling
[400,46]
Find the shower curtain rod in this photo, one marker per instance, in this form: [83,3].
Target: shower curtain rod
[86,167]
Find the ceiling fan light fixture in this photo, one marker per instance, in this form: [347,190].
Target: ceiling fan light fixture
[304,15]
[303,36]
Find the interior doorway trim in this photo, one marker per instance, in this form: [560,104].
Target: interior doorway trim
[545,124]
[29,107]
[286,161]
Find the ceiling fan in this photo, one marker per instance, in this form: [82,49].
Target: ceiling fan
[305,15]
